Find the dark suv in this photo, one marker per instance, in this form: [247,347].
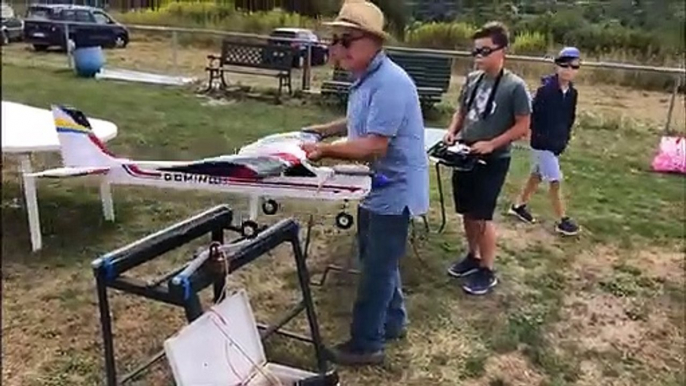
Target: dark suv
[44,26]
[320,52]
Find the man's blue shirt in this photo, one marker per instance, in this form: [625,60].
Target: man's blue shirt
[384,101]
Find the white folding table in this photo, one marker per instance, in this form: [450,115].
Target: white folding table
[26,130]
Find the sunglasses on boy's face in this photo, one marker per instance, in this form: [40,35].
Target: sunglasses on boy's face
[346,40]
[485,51]
[569,65]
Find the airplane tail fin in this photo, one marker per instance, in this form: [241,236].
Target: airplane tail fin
[78,144]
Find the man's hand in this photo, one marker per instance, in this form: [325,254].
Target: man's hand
[483,147]
[449,138]
[331,129]
[312,151]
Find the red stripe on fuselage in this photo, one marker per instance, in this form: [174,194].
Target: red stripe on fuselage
[100,145]
[138,172]
[135,170]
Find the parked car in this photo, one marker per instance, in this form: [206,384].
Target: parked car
[12,26]
[320,51]
[44,26]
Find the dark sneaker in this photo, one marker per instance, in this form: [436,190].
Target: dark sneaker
[346,354]
[481,282]
[567,227]
[522,213]
[465,267]
[393,335]
[329,379]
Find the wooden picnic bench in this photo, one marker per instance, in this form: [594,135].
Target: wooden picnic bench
[253,59]
[431,74]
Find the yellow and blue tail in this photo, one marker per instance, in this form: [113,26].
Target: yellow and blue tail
[79,146]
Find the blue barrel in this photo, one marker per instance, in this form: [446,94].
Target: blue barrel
[88,61]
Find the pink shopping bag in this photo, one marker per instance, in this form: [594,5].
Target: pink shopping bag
[671,156]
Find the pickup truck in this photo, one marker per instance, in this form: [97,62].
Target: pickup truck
[44,26]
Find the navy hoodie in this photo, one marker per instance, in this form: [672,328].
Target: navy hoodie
[553,116]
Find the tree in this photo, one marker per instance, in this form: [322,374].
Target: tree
[396,12]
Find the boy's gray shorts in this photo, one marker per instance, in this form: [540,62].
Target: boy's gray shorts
[546,165]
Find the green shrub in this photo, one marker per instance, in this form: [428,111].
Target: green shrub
[534,43]
[440,35]
[216,16]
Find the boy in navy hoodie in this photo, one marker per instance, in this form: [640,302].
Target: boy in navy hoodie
[554,113]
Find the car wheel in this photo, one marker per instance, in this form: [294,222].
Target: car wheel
[40,47]
[121,41]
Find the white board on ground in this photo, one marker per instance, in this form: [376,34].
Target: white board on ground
[223,347]
[144,77]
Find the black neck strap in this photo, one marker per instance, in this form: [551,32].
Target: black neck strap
[491,96]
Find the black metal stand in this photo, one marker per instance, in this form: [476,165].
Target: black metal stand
[441,198]
[182,285]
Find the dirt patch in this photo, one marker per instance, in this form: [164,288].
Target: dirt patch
[599,322]
[661,264]
[615,325]
[519,237]
[511,369]
[590,265]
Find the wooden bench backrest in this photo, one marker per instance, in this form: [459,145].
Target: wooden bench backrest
[341,75]
[257,55]
[427,70]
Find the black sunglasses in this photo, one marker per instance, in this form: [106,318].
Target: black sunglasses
[345,40]
[485,51]
[569,65]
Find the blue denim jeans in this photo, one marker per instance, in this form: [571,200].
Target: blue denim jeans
[379,309]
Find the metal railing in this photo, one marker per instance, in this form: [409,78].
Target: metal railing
[678,73]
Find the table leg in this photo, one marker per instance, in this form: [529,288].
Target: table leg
[29,187]
[254,207]
[106,199]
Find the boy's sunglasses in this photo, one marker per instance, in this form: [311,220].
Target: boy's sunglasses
[569,65]
[345,40]
[485,51]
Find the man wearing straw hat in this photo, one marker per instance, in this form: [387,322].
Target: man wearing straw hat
[385,127]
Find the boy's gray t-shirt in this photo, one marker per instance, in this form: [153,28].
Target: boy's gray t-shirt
[511,99]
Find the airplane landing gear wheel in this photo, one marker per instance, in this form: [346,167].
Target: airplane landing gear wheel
[344,220]
[270,207]
[249,229]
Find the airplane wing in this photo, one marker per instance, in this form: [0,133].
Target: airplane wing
[69,172]
[432,137]
[235,166]
[271,156]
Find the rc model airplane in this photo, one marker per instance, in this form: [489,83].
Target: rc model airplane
[274,166]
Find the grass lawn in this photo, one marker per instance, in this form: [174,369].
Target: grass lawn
[606,308]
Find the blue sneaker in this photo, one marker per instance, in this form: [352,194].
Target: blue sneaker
[481,282]
[465,267]
[567,227]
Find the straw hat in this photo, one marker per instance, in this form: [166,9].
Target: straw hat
[361,15]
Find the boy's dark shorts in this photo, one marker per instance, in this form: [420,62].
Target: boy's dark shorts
[476,192]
